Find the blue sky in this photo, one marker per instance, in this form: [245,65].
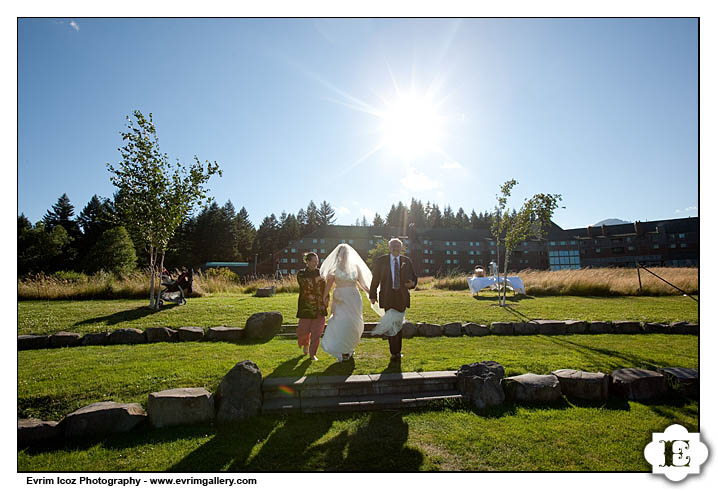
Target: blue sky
[602,111]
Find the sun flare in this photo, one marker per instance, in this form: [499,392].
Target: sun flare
[412,126]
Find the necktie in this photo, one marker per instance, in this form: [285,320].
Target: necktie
[396,273]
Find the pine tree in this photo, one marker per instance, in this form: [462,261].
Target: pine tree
[245,235]
[325,214]
[266,239]
[462,220]
[61,214]
[416,214]
[364,221]
[434,217]
[475,220]
[378,222]
[448,219]
[312,218]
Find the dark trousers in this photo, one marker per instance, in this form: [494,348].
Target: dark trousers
[396,302]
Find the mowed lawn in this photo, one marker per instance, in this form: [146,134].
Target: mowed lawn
[434,306]
[566,436]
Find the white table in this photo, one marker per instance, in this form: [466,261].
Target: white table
[479,283]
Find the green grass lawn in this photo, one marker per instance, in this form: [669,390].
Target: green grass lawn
[435,306]
[446,436]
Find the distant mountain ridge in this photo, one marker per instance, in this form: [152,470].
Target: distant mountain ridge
[610,221]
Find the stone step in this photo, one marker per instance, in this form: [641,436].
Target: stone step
[359,403]
[341,385]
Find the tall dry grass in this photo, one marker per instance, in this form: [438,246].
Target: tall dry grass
[587,282]
[100,286]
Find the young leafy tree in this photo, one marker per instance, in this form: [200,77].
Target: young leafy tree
[155,196]
[532,218]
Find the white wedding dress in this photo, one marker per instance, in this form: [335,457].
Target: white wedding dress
[346,324]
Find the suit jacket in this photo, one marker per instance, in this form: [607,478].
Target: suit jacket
[381,275]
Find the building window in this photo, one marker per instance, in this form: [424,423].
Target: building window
[426,242]
[553,243]
[294,260]
[371,242]
[426,271]
[286,251]
[471,253]
[426,251]
[683,245]
[293,249]
[284,259]
[351,241]
[448,253]
[321,241]
[323,250]
[314,241]
[456,261]
[630,248]
[294,271]
[673,246]
[598,250]
[453,243]
[681,236]
[491,243]
[471,244]
[454,253]
[426,261]
[344,241]
[431,262]
[573,242]
[655,246]
[448,243]
[471,261]
[493,252]
[284,271]
[526,252]
[448,261]
[314,250]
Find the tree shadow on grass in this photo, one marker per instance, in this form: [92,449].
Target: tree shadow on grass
[124,316]
[632,360]
[513,298]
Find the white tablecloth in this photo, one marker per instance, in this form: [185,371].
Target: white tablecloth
[479,283]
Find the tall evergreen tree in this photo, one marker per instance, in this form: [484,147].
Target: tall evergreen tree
[475,220]
[94,219]
[448,219]
[364,221]
[416,213]
[312,218]
[61,214]
[378,221]
[325,214]
[434,217]
[266,239]
[462,220]
[245,235]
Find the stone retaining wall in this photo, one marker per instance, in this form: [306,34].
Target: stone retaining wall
[265,325]
[239,397]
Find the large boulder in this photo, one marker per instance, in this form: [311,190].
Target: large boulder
[184,406]
[222,333]
[452,329]
[239,395]
[549,327]
[576,327]
[95,339]
[190,333]
[682,380]
[637,384]
[656,328]
[103,417]
[408,330]
[472,329]
[31,431]
[266,291]
[502,328]
[524,328]
[31,341]
[127,336]
[429,330]
[600,327]
[263,325]
[531,388]
[626,327]
[161,335]
[64,339]
[480,383]
[592,386]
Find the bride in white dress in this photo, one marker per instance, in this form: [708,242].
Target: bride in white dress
[347,272]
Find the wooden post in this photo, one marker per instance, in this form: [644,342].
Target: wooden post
[638,270]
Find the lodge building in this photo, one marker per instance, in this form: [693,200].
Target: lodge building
[671,242]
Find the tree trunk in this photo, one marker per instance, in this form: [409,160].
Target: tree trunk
[159,290]
[152,277]
[506,271]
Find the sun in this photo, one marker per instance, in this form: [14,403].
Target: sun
[412,126]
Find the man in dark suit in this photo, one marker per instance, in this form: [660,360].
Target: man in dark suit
[396,276]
